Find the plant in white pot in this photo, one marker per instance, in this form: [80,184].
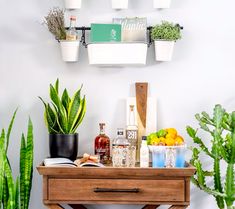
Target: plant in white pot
[161,4]
[120,4]
[73,4]
[165,35]
[68,44]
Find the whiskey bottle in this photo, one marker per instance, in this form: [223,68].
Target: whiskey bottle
[102,145]
[132,135]
[71,33]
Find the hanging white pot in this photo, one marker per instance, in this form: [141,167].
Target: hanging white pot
[73,4]
[161,4]
[69,50]
[164,50]
[120,4]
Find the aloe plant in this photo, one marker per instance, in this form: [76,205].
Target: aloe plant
[15,194]
[64,114]
[221,127]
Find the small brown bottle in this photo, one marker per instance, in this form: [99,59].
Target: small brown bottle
[102,146]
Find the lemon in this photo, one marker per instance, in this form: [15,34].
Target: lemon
[179,140]
[171,135]
[170,142]
[172,131]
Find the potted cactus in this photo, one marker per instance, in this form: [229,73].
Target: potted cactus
[62,118]
[161,4]
[165,35]
[73,4]
[16,193]
[55,24]
[120,4]
[221,128]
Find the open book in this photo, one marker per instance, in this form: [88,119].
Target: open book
[59,162]
[64,162]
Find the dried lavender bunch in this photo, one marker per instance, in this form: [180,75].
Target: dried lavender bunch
[55,23]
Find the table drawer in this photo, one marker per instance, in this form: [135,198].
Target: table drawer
[116,189]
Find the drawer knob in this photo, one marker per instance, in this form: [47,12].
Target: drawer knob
[134,190]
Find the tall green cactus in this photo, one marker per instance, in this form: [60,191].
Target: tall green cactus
[16,194]
[221,127]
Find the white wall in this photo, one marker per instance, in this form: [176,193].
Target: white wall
[200,75]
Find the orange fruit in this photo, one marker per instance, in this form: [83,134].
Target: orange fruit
[170,141]
[172,131]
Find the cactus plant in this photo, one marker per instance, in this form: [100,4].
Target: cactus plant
[221,127]
[15,194]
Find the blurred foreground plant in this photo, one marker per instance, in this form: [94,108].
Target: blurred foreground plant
[15,194]
[221,127]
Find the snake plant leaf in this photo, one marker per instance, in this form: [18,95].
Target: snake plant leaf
[65,99]
[2,139]
[74,109]
[81,115]
[28,172]
[10,128]
[62,114]
[2,150]
[22,170]
[57,86]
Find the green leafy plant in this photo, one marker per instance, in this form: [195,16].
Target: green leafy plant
[15,194]
[221,127]
[64,114]
[55,23]
[166,31]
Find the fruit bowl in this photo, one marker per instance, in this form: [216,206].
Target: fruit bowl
[168,156]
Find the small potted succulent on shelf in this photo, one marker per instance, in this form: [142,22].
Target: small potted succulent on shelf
[165,35]
[68,39]
[120,4]
[62,118]
[161,4]
[73,4]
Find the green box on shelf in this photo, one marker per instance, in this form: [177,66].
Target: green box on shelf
[105,33]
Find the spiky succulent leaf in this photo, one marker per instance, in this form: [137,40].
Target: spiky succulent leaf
[10,128]
[22,171]
[65,100]
[230,184]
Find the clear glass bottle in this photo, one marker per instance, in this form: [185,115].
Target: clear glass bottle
[121,150]
[71,33]
[132,135]
[102,145]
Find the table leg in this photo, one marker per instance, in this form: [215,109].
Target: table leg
[54,206]
[178,207]
[77,206]
[150,206]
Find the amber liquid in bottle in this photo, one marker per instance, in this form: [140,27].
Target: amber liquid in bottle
[102,146]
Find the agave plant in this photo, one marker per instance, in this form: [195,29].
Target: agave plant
[15,194]
[221,127]
[64,114]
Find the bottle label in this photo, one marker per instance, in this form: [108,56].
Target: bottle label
[132,134]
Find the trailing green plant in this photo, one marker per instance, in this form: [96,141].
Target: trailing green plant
[55,23]
[221,127]
[166,31]
[64,114]
[15,194]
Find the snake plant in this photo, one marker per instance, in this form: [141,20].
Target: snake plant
[221,128]
[64,114]
[15,194]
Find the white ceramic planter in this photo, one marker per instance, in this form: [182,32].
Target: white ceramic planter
[161,4]
[69,50]
[117,53]
[73,4]
[120,4]
[164,50]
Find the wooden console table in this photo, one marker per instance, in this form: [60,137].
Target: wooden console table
[89,185]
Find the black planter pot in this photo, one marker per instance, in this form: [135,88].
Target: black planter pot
[63,145]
